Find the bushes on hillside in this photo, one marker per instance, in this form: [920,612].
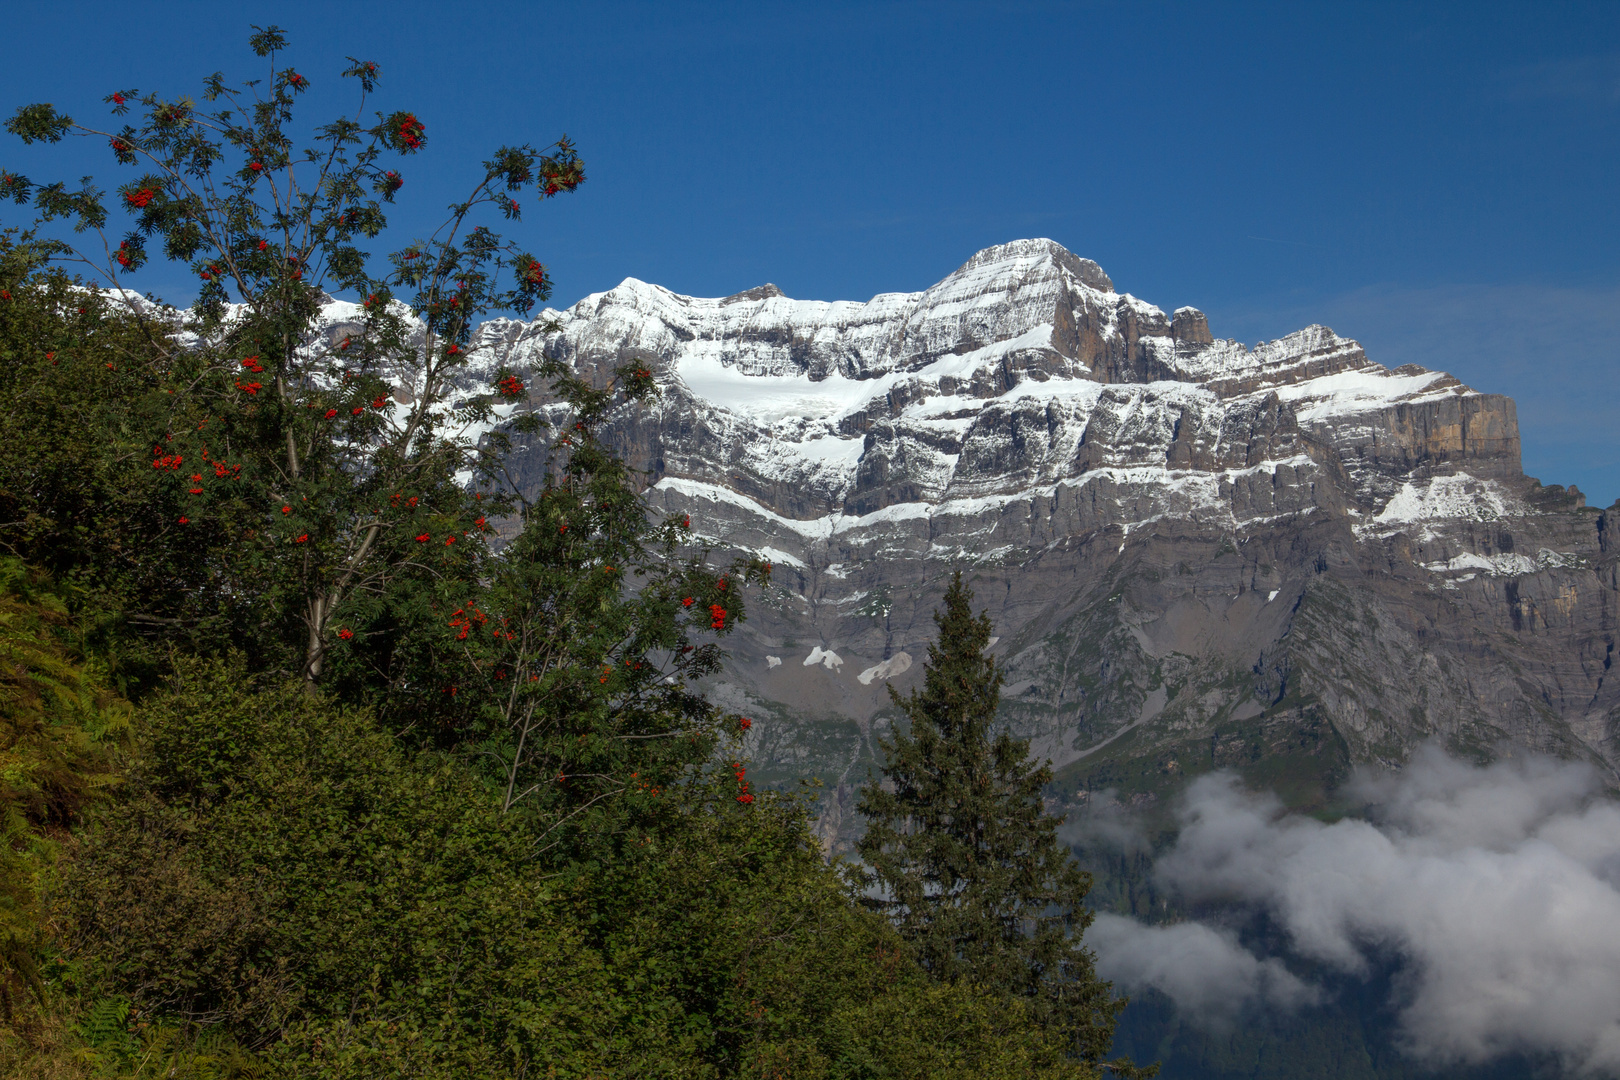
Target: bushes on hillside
[282,868]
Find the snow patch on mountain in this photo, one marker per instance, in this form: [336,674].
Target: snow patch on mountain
[1447,497]
[1351,392]
[825,657]
[1164,492]
[1505,564]
[898,664]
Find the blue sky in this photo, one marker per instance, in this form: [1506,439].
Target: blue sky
[1436,180]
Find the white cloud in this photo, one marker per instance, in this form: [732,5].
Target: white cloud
[1497,888]
[1210,977]
[1107,823]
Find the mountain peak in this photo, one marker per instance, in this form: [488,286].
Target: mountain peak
[1088,272]
[766,291]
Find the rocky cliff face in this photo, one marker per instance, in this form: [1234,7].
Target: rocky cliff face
[1196,553]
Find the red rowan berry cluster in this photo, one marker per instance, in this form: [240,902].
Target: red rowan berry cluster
[410,131]
[462,621]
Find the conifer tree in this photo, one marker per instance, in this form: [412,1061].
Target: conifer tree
[962,856]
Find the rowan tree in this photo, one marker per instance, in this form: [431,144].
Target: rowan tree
[574,665]
[961,855]
[320,469]
[307,463]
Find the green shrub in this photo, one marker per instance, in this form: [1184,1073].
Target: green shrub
[303,880]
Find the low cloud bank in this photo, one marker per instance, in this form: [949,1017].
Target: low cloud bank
[1202,969]
[1497,889]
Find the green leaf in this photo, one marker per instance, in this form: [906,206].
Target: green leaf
[39,123]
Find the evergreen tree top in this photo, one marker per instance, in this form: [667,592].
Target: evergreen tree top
[961,855]
[962,684]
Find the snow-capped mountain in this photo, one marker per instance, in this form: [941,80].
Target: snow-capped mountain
[1194,551]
